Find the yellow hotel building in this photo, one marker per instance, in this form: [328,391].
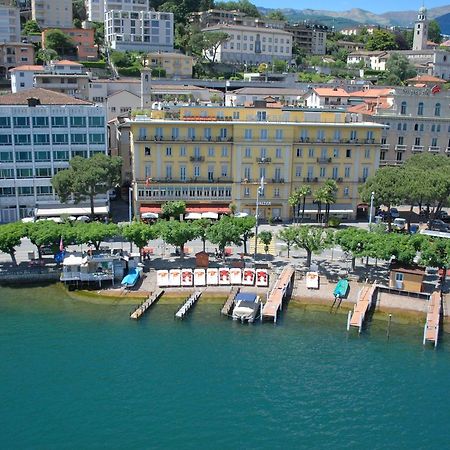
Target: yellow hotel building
[211,156]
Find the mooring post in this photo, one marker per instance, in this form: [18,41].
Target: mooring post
[348,319]
[389,326]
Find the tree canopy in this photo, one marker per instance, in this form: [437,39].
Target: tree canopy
[139,233]
[434,32]
[381,40]
[312,240]
[224,232]
[30,27]
[399,68]
[241,5]
[87,177]
[10,238]
[173,209]
[60,42]
[176,233]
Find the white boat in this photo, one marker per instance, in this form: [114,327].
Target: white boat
[247,307]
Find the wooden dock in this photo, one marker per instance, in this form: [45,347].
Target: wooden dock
[228,305]
[140,310]
[280,291]
[363,305]
[187,305]
[431,330]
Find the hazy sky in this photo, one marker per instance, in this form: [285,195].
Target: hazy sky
[378,6]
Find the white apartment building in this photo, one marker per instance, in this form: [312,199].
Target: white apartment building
[375,60]
[9,24]
[252,45]
[139,31]
[52,13]
[95,9]
[40,131]
[22,77]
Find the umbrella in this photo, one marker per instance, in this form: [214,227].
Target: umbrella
[149,215]
[83,219]
[193,216]
[241,214]
[210,215]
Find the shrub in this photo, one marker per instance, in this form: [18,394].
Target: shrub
[129,71]
[94,64]
[334,221]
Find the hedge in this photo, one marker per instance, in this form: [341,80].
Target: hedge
[129,71]
[95,64]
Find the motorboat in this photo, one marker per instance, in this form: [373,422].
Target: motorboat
[132,278]
[340,291]
[247,307]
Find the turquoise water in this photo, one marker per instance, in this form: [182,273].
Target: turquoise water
[76,375]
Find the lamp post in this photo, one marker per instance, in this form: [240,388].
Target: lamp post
[130,204]
[372,196]
[259,192]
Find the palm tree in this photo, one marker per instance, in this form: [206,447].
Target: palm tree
[330,188]
[320,196]
[303,192]
[294,201]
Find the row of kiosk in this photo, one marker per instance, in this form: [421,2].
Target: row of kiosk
[212,277]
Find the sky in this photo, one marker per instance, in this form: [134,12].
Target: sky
[378,6]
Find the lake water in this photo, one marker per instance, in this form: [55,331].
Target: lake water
[77,375]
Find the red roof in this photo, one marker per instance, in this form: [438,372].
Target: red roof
[220,209]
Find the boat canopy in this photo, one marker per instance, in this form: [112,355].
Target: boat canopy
[246,297]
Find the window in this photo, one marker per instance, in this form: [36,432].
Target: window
[41,139]
[191,133]
[44,190]
[78,122]
[261,116]
[322,172]
[61,155]
[248,152]
[21,122]
[183,173]
[346,192]
[278,134]
[210,173]
[96,138]
[434,142]
[5,122]
[7,192]
[182,151]
[437,109]
[348,153]
[367,153]
[59,122]
[211,151]
[82,153]
[247,133]
[420,109]
[399,156]
[43,172]
[247,173]
[40,122]
[60,138]
[207,133]
[400,140]
[78,138]
[335,173]
[22,139]
[299,153]
[382,155]
[246,192]
[5,139]
[311,153]
[224,152]
[264,134]
[335,153]
[298,171]
[147,151]
[25,173]
[416,127]
[365,172]
[403,108]
[224,170]
[25,191]
[175,133]
[42,156]
[196,171]
[168,171]
[276,192]
[347,171]
[353,135]
[263,152]
[96,122]
[277,174]
[278,153]
[168,152]
[417,141]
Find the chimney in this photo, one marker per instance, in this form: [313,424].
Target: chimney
[33,101]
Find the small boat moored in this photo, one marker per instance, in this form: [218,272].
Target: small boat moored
[340,291]
[132,278]
[247,307]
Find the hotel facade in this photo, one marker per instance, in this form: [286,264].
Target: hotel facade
[213,156]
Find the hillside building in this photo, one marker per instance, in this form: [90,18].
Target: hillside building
[52,13]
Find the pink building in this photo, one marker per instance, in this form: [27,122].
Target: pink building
[82,38]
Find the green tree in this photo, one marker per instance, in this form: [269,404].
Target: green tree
[10,238]
[279,66]
[381,40]
[353,241]
[44,232]
[95,232]
[435,252]
[79,10]
[224,232]
[330,189]
[434,32]
[173,209]
[139,234]
[266,238]
[288,235]
[31,27]
[206,44]
[45,55]
[276,15]
[241,5]
[87,177]
[77,23]
[398,66]
[245,225]
[321,196]
[201,230]
[176,233]
[60,42]
[314,240]
[99,35]
[294,201]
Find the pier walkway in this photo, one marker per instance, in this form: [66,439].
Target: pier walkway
[282,288]
[228,305]
[187,305]
[431,330]
[140,310]
[365,299]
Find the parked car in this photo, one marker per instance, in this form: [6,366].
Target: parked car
[413,228]
[394,213]
[443,215]
[439,225]
[399,224]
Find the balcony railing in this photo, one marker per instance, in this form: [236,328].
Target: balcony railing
[362,179]
[390,162]
[311,180]
[263,160]
[434,149]
[169,180]
[417,148]
[400,148]
[308,140]
[385,146]
[324,160]
[277,180]
[184,138]
[197,158]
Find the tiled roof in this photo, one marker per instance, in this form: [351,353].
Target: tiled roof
[331,92]
[27,67]
[372,93]
[268,91]
[426,79]
[66,62]
[45,97]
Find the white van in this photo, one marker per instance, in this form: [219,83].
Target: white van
[399,224]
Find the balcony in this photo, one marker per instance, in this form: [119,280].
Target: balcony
[434,149]
[385,146]
[390,162]
[151,182]
[197,159]
[417,148]
[311,180]
[362,179]
[277,180]
[263,160]
[400,148]
[324,160]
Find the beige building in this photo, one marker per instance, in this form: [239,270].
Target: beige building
[311,39]
[9,23]
[52,13]
[175,64]
[120,103]
[119,145]
[13,54]
[251,45]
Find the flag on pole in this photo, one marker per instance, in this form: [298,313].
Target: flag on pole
[61,245]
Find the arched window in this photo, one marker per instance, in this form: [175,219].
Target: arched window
[403,108]
[420,109]
[416,127]
[437,109]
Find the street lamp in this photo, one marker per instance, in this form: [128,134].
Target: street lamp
[259,192]
[130,204]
